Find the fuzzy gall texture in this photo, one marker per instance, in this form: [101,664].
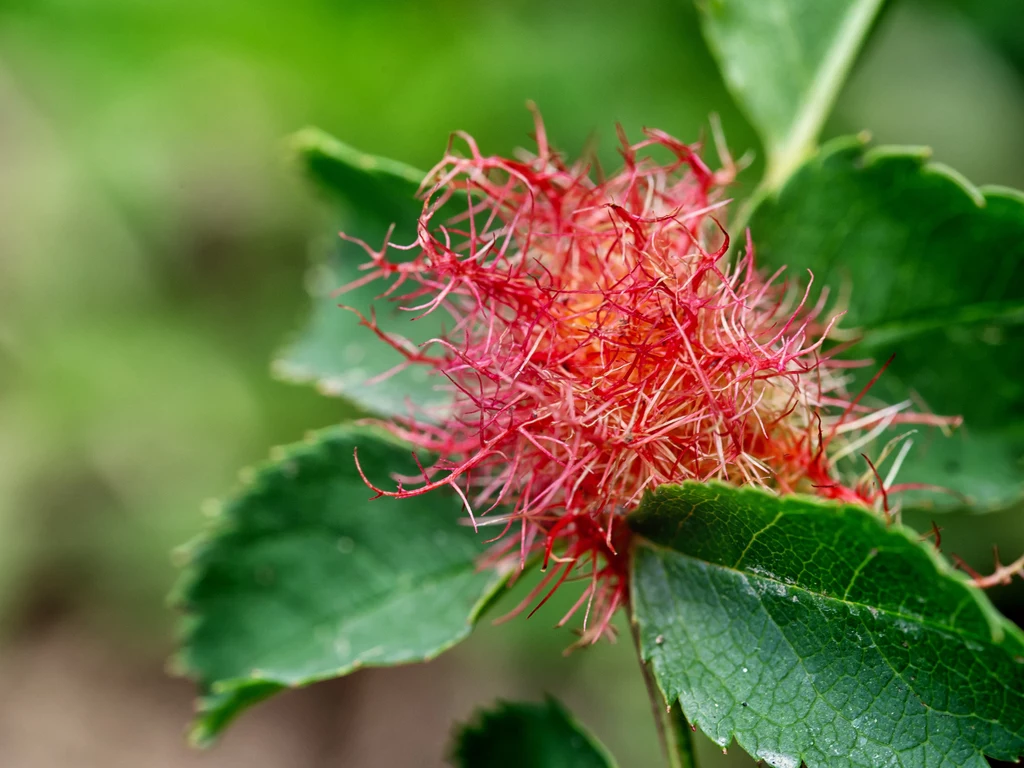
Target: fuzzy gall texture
[601,345]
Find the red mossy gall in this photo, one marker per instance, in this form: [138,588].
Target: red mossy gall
[602,344]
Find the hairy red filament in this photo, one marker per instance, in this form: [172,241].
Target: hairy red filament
[1001,574]
[601,345]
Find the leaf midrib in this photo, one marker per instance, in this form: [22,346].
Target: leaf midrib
[889,331]
[786,155]
[822,596]
[800,660]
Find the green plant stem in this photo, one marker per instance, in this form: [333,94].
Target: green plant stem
[673,728]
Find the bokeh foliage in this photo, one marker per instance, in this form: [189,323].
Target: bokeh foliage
[154,243]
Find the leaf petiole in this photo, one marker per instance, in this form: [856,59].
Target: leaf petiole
[674,729]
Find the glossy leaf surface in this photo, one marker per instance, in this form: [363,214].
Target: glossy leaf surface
[930,269]
[514,735]
[812,633]
[302,578]
[335,350]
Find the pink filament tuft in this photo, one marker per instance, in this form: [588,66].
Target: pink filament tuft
[600,345]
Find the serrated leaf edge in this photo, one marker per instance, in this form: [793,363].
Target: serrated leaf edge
[863,156]
[305,144]
[224,522]
[483,717]
[999,626]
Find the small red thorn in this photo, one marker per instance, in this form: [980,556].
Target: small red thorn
[937,533]
[881,488]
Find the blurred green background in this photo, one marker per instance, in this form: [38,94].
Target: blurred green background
[153,246]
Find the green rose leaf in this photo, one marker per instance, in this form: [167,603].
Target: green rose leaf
[514,735]
[931,269]
[784,61]
[335,351]
[812,632]
[302,578]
